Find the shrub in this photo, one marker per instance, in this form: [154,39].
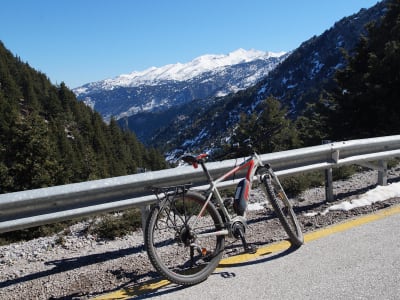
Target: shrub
[115,225]
[294,185]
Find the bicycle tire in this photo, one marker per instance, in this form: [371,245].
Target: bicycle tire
[283,210]
[170,235]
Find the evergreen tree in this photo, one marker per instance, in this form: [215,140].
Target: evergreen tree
[30,157]
[313,125]
[270,130]
[368,91]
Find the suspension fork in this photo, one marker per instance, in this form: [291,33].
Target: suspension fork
[274,178]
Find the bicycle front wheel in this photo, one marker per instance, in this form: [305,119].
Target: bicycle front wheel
[283,209]
[180,238]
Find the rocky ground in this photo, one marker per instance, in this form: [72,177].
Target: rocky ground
[77,266]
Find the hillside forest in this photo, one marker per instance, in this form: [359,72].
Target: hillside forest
[364,102]
[49,138]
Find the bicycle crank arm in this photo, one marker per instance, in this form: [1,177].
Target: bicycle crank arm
[215,233]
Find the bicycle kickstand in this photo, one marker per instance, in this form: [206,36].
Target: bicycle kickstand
[248,248]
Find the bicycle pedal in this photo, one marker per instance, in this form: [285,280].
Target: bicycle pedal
[251,249]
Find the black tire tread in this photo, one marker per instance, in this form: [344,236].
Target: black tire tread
[295,234]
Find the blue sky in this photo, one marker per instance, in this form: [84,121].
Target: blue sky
[81,41]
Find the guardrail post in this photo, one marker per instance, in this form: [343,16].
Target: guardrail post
[145,211]
[329,185]
[328,173]
[382,173]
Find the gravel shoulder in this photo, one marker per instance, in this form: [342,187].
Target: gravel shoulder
[79,266]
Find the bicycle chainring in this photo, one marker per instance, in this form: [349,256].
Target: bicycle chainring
[238,227]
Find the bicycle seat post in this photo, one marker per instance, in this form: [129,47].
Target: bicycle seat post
[195,161]
[205,170]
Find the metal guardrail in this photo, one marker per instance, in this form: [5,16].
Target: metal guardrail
[48,205]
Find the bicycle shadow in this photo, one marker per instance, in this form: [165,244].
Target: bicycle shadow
[148,287]
[144,290]
[159,287]
[284,253]
[68,264]
[156,287]
[151,284]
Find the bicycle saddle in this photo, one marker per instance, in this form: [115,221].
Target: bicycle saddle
[194,160]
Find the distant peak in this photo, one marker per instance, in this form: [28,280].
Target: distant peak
[235,57]
[184,71]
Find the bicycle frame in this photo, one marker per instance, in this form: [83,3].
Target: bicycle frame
[251,164]
[185,232]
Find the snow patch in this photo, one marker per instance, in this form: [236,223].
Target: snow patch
[203,133]
[378,194]
[89,102]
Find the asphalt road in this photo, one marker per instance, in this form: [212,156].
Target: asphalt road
[355,261]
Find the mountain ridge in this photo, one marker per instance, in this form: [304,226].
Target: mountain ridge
[299,80]
[160,88]
[180,71]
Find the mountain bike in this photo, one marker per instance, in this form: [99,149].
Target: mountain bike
[186,230]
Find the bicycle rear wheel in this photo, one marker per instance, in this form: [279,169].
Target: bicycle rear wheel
[173,243]
[283,208]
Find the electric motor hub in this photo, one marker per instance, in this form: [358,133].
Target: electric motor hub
[238,227]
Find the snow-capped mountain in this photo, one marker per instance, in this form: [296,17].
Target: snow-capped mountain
[174,84]
[305,74]
[178,71]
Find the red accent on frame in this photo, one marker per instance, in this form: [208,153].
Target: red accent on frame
[249,164]
[201,156]
[246,192]
[250,169]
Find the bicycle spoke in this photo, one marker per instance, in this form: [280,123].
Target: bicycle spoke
[172,243]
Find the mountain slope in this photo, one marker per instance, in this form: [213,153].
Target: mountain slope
[48,138]
[157,89]
[298,80]
[310,69]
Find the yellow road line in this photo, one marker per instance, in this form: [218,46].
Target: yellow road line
[135,291]
[154,285]
[351,223]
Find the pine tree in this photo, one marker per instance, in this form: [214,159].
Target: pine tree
[313,125]
[30,157]
[369,87]
[269,130]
